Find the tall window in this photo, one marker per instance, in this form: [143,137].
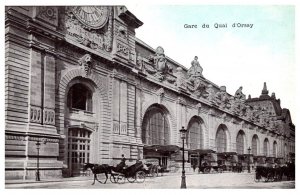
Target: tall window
[155,127]
[274,149]
[221,140]
[266,147]
[240,142]
[195,138]
[80,97]
[255,145]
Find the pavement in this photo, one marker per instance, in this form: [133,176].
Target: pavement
[168,181]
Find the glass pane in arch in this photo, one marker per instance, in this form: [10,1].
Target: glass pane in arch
[254,145]
[274,149]
[195,135]
[221,140]
[240,143]
[156,128]
[266,147]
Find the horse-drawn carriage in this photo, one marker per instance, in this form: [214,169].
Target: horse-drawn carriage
[135,172]
[275,173]
[132,173]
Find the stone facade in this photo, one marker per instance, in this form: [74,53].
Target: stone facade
[52,51]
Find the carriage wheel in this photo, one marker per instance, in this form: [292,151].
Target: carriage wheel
[131,179]
[270,177]
[140,176]
[257,178]
[121,179]
[114,178]
[206,170]
[220,170]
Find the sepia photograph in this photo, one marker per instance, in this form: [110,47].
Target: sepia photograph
[149,96]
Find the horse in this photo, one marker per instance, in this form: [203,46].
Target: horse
[97,169]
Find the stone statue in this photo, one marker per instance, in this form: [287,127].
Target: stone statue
[195,70]
[239,94]
[222,98]
[159,60]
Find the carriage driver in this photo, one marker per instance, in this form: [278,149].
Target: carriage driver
[122,164]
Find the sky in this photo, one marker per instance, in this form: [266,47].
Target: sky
[231,56]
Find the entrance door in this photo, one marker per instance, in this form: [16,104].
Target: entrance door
[78,150]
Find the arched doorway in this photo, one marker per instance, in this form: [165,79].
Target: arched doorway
[195,140]
[156,132]
[79,140]
[81,103]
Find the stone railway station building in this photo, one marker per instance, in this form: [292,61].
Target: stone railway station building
[80,83]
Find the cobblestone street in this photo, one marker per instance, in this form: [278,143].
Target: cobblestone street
[171,181]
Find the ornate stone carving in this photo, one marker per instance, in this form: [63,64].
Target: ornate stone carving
[160,94]
[48,14]
[180,80]
[158,64]
[35,114]
[116,127]
[15,137]
[96,39]
[48,116]
[195,70]
[222,99]
[239,94]
[211,94]
[86,63]
[139,62]
[198,87]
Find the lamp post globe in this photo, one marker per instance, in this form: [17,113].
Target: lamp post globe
[183,137]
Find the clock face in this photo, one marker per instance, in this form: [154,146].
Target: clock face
[93,17]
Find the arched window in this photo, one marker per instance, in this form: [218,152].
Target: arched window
[221,140]
[240,142]
[255,145]
[195,138]
[266,147]
[80,97]
[155,127]
[274,149]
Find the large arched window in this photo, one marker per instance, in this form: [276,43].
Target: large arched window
[240,142]
[274,149]
[266,147]
[80,97]
[255,145]
[221,140]
[155,127]
[195,138]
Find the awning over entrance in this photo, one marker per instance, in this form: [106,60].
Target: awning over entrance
[201,151]
[162,148]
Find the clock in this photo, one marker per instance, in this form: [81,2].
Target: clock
[93,17]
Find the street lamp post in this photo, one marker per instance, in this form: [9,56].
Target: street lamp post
[38,146]
[249,149]
[37,176]
[183,136]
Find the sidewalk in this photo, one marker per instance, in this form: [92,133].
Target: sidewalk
[64,179]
